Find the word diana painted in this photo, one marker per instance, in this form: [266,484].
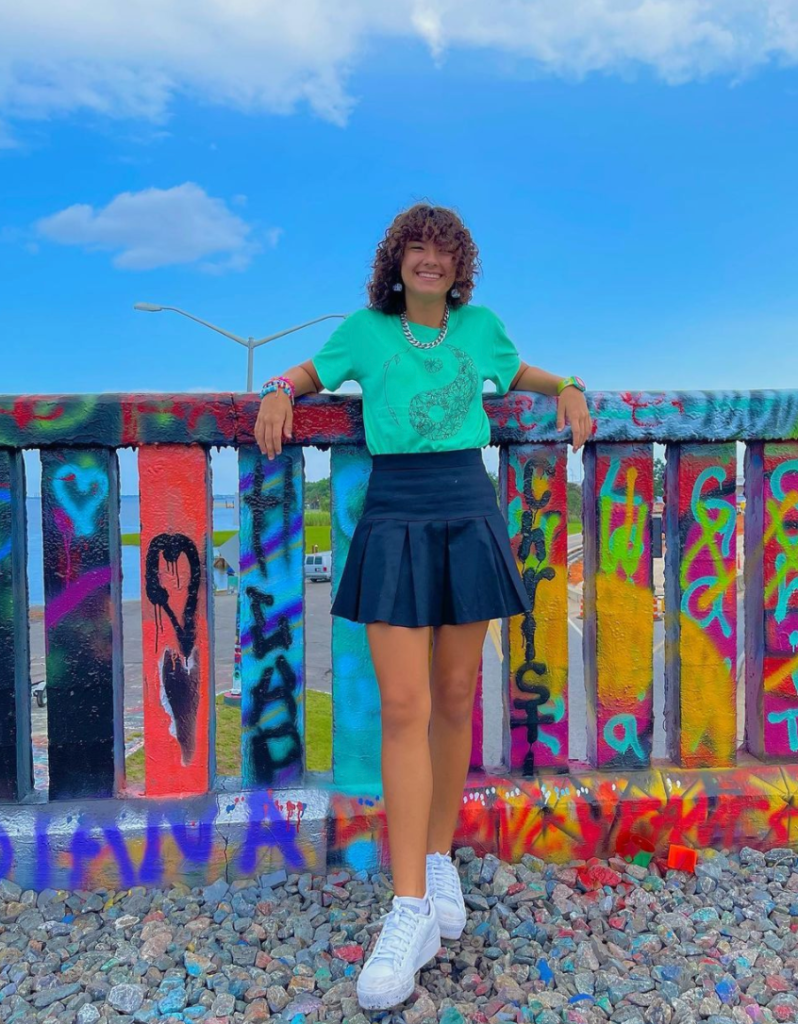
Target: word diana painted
[559,818]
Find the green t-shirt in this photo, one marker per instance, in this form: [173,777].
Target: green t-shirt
[421,400]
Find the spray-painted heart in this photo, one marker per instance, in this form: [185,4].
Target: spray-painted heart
[172,546]
[180,693]
[179,676]
[80,491]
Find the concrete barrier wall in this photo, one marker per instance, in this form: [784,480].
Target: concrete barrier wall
[88,829]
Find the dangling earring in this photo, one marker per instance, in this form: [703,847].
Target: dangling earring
[455,293]
[398,286]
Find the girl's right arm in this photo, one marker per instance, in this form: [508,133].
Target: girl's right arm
[276,414]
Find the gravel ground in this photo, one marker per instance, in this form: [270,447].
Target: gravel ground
[581,943]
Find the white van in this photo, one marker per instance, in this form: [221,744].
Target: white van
[318,566]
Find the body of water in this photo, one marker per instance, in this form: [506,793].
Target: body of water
[224,518]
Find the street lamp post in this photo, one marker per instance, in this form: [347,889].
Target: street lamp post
[250,344]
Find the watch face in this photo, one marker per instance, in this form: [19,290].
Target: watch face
[580,383]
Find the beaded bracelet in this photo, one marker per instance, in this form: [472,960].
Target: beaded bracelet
[278,384]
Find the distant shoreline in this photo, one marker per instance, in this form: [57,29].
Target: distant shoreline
[219,537]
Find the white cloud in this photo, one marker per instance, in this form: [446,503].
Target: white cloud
[159,228]
[131,58]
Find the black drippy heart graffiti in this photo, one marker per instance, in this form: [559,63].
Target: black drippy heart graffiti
[180,681]
[180,688]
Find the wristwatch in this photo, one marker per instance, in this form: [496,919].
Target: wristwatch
[573,382]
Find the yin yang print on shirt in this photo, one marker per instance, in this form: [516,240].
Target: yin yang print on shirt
[439,410]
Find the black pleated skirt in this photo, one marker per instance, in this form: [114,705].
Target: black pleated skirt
[431,547]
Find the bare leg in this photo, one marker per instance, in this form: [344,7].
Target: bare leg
[455,667]
[401,663]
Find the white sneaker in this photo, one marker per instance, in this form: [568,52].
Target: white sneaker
[407,941]
[443,884]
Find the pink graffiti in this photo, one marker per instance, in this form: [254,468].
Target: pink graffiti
[74,594]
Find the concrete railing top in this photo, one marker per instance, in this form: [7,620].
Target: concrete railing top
[115,421]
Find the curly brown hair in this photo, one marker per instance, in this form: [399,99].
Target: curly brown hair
[428,223]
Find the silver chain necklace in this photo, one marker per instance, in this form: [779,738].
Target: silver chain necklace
[425,344]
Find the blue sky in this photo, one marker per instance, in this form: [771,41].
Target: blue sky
[631,189]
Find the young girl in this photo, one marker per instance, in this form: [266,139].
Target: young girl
[431,550]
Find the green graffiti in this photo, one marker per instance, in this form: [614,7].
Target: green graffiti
[626,544]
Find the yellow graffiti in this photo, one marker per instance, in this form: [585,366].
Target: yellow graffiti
[707,696]
[625,640]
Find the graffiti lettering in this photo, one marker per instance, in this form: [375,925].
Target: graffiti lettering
[628,740]
[703,491]
[622,545]
[270,707]
[538,524]
[791,718]
[531,718]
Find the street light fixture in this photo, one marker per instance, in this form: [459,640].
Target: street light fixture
[250,344]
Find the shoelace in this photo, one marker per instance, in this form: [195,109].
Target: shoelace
[396,934]
[445,880]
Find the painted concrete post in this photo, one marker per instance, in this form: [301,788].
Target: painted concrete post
[477,724]
[356,697]
[177,619]
[771,599]
[532,481]
[83,621]
[16,760]
[618,594]
[272,544]
[701,604]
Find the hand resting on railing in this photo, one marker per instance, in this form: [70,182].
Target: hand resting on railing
[275,420]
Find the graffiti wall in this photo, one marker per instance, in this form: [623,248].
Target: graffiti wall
[176,618]
[545,803]
[619,594]
[356,697]
[533,488]
[272,617]
[83,619]
[119,844]
[701,604]
[38,421]
[771,600]
[15,746]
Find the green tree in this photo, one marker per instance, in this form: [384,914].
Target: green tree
[659,477]
[574,502]
[317,494]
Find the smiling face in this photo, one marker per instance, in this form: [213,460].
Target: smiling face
[428,270]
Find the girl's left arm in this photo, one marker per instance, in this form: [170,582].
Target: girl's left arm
[571,403]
